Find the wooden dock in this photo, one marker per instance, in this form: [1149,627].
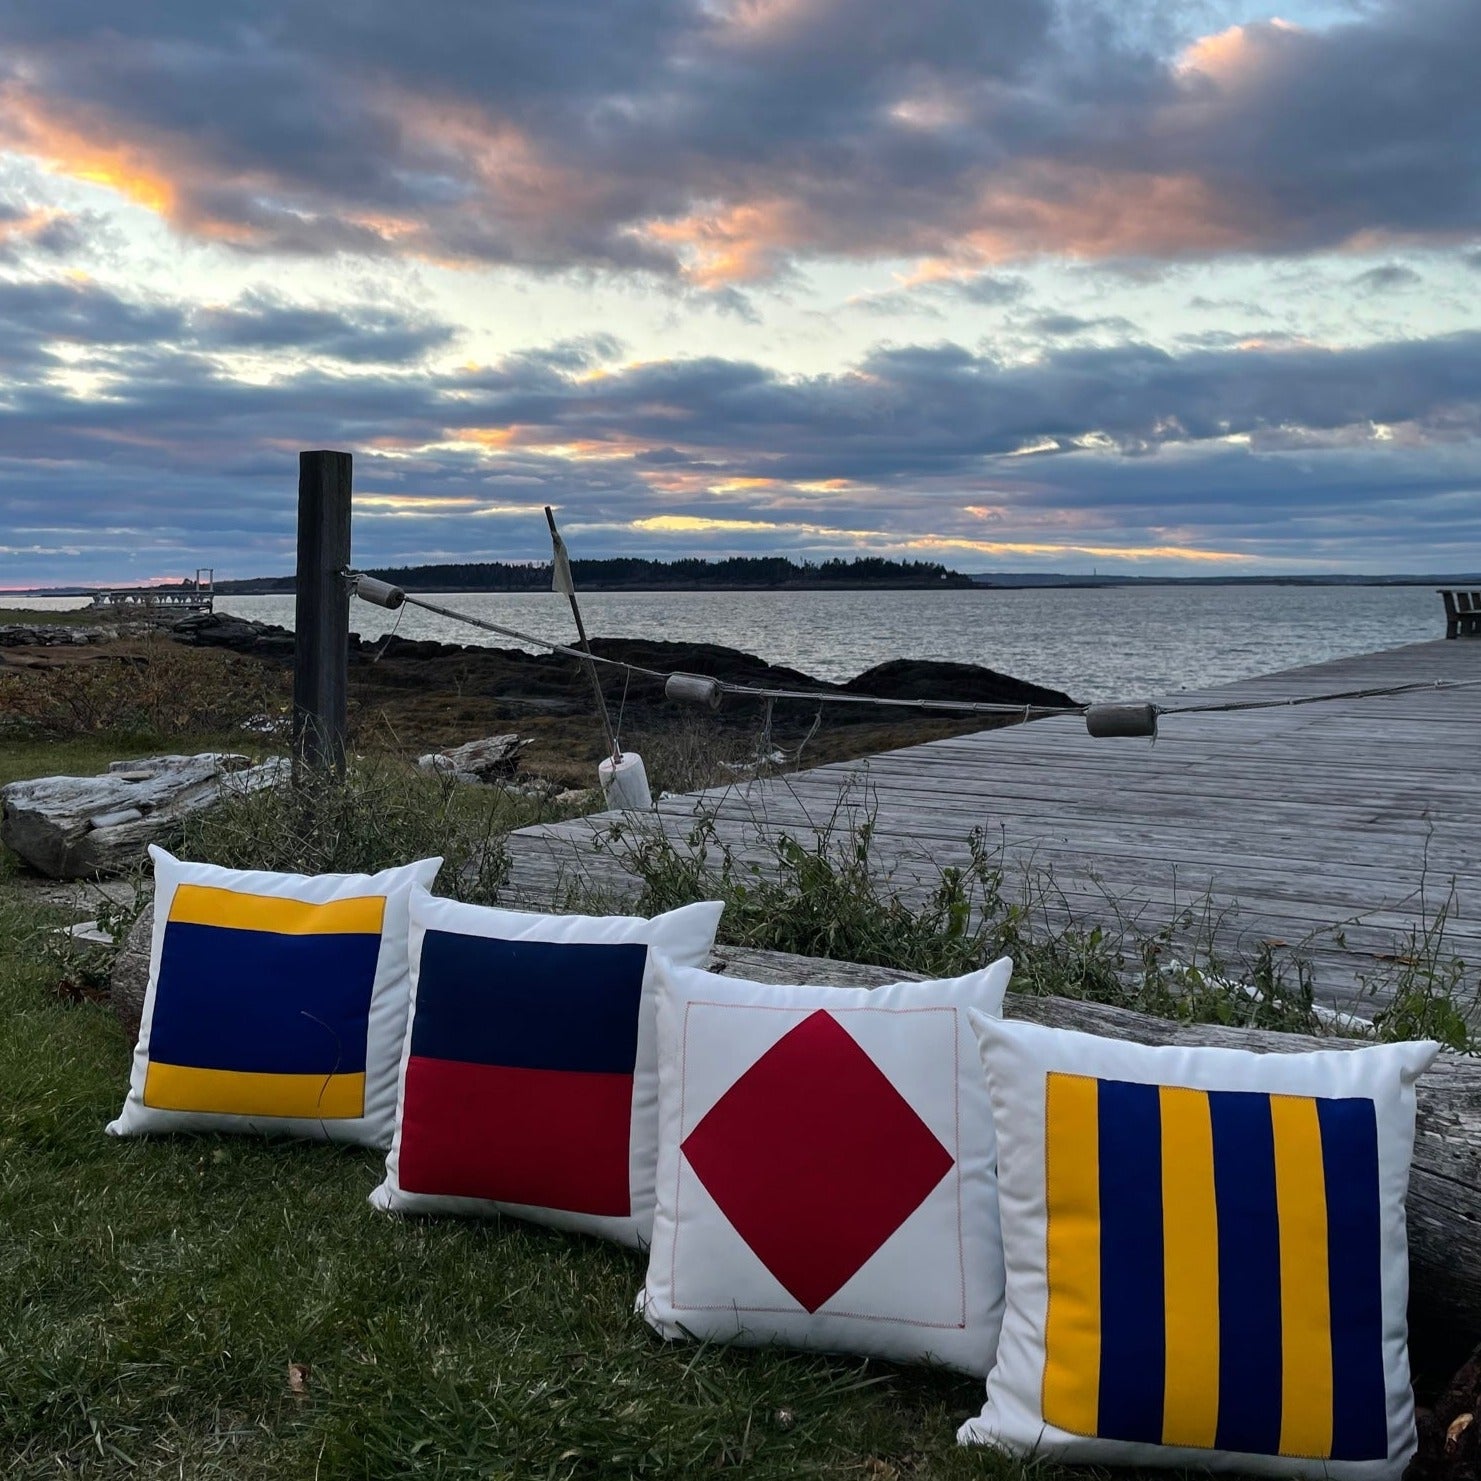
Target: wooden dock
[1339,829]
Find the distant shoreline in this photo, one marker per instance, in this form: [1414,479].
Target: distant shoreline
[991,581]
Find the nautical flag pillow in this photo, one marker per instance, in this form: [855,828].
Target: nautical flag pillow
[276,1003]
[1206,1255]
[826,1168]
[529,1078]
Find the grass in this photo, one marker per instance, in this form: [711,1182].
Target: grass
[154,1293]
[45,617]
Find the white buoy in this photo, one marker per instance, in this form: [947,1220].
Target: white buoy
[625,783]
[379,593]
[1107,720]
[694,689]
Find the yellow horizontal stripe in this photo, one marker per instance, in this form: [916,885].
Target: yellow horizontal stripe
[175,1087]
[1072,1326]
[1305,1307]
[205,905]
[1190,1272]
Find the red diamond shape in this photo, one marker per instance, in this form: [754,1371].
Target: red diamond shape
[815,1158]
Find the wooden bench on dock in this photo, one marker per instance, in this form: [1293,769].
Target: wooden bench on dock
[1462,613]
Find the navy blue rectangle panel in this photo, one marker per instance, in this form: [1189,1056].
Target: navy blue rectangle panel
[265,1002]
[537,1005]
[1354,1278]
[1250,1390]
[1133,1342]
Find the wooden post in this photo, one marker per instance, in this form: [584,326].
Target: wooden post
[322,621]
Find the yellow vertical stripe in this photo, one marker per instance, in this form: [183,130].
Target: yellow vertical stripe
[1072,1328]
[1305,1309]
[1190,1235]
[206,905]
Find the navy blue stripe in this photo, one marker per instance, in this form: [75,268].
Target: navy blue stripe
[1354,1278]
[1249,1272]
[1133,1353]
[535,1005]
[263,1001]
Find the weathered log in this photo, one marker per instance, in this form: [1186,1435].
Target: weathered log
[487,760]
[87,827]
[1444,1186]
[129,980]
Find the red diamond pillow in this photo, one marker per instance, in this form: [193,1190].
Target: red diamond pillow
[827,1168]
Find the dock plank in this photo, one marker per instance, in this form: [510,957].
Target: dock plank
[1343,825]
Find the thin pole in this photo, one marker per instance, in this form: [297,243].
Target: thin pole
[561,571]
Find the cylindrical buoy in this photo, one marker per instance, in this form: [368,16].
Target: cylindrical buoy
[694,689]
[1105,721]
[625,783]
[379,593]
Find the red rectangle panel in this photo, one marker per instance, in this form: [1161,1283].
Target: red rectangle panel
[555,1139]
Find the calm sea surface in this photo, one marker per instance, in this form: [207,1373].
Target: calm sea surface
[1099,643]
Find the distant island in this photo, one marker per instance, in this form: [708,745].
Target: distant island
[767,573]
[632,573]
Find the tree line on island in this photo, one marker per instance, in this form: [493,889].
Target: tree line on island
[635,573]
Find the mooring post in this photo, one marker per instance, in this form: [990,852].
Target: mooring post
[322,621]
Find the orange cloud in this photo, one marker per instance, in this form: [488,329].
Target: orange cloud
[738,243]
[82,150]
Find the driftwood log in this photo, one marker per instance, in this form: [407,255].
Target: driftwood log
[89,827]
[488,760]
[1444,1186]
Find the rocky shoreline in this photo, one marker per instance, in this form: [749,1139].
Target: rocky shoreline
[415,695]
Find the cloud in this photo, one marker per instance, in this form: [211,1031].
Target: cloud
[1059,326]
[129,423]
[1386,277]
[723,141]
[40,319]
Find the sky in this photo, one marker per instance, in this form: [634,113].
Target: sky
[1144,286]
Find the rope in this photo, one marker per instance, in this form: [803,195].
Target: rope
[1025,712]
[1377,692]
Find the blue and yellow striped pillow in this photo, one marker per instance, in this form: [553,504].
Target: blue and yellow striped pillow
[262,1004]
[276,1002]
[1205,1254]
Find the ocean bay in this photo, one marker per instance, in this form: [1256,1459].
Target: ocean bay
[1095,643]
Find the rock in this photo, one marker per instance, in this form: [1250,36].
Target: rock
[83,827]
[129,979]
[487,760]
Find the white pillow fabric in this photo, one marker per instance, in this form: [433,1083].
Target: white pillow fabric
[276,1003]
[826,1168]
[1206,1255]
[529,1073]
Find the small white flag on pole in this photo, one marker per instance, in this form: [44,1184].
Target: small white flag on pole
[560,574]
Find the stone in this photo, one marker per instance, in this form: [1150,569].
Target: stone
[87,827]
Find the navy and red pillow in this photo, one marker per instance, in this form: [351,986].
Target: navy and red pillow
[529,1079]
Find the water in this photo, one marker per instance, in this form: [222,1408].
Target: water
[1120,642]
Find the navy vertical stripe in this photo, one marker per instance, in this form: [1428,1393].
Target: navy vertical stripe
[1355,1278]
[1133,1332]
[1249,1272]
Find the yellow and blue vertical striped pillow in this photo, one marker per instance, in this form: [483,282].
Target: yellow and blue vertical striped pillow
[1205,1253]
[277,1003]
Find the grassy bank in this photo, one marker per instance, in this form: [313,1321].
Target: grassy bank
[154,1294]
[225,1308]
